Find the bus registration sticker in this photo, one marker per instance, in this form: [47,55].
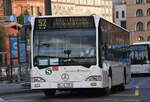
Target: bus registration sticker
[48,71]
[65,85]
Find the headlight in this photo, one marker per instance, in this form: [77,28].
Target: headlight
[37,79]
[94,78]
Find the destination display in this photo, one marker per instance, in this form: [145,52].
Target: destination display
[64,23]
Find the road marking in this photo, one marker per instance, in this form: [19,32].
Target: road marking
[131,100]
[137,91]
[135,94]
[107,99]
[122,95]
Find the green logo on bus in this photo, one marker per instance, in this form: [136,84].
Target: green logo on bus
[48,71]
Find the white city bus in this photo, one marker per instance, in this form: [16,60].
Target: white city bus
[140,57]
[78,53]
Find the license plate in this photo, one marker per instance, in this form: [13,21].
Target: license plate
[65,85]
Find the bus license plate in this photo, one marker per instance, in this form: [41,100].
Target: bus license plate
[65,85]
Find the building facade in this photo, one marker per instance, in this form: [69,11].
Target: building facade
[1,8]
[138,20]
[100,7]
[5,8]
[120,14]
[64,7]
[35,7]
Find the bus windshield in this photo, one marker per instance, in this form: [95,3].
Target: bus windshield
[139,54]
[64,47]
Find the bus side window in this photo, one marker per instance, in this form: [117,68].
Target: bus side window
[104,51]
[149,53]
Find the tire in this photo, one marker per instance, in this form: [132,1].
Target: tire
[49,93]
[122,86]
[107,90]
[124,81]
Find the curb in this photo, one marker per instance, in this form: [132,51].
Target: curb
[21,91]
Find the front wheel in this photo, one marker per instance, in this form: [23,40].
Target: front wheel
[49,93]
[108,89]
[122,86]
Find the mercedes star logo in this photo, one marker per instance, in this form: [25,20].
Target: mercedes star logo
[64,76]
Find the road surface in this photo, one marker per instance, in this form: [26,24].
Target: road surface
[137,91]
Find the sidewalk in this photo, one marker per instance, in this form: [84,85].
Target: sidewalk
[13,88]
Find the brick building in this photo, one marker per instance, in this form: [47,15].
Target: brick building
[7,28]
[1,8]
[64,7]
[35,7]
[138,20]
[5,7]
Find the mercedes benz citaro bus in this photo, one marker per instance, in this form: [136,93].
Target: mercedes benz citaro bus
[78,52]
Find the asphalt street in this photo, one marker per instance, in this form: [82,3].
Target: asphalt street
[137,91]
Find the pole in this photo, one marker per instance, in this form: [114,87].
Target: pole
[11,64]
[18,44]
[48,9]
[11,72]
[26,59]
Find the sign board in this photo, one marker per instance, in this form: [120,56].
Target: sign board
[13,47]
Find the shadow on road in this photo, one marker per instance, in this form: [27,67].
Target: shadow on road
[82,95]
[140,75]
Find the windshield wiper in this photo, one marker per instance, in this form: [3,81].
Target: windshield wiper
[44,44]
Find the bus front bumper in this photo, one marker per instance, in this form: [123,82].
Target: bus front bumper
[67,85]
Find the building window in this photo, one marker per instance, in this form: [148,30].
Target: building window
[83,2]
[141,38]
[38,11]
[96,2]
[123,14]
[139,13]
[148,26]
[148,39]
[148,1]
[148,12]
[20,10]
[139,26]
[139,1]
[90,2]
[117,14]
[123,24]
[32,10]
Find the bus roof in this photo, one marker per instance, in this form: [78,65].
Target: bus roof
[141,43]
